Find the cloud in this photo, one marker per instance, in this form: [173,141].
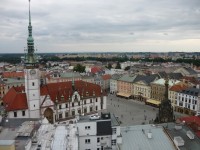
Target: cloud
[114,24]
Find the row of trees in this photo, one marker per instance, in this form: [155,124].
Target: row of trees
[16,58]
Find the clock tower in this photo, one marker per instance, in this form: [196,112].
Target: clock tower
[32,75]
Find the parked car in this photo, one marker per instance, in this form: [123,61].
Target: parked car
[94,117]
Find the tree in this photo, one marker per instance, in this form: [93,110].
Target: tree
[79,68]
[118,66]
[109,66]
[127,68]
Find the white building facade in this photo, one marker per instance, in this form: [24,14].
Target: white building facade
[99,134]
[188,101]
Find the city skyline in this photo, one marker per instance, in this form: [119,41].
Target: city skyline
[92,25]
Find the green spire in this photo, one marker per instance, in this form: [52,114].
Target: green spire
[30,57]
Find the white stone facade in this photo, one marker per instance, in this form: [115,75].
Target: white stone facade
[113,86]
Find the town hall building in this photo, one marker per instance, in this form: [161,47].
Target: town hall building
[55,101]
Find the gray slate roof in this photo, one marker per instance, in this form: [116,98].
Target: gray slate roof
[116,76]
[190,70]
[135,137]
[127,78]
[191,91]
[146,79]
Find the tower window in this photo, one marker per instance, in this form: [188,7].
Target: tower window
[33,84]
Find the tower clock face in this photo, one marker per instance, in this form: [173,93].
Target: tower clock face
[32,72]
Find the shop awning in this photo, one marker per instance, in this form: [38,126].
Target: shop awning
[123,94]
[152,101]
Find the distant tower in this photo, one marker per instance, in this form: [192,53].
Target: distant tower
[32,74]
[165,113]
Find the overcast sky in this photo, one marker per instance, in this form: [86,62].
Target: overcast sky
[101,25]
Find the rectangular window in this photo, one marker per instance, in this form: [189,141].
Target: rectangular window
[85,110]
[60,116]
[66,105]
[78,103]
[90,100]
[73,112]
[23,113]
[113,142]
[96,107]
[98,140]
[33,84]
[87,141]
[90,108]
[72,104]
[96,99]
[114,130]
[60,106]
[87,127]
[84,101]
[15,114]
[66,114]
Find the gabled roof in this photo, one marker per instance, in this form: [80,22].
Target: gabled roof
[106,77]
[127,78]
[191,91]
[190,70]
[13,74]
[146,79]
[96,69]
[15,99]
[116,76]
[178,87]
[190,79]
[193,122]
[171,75]
[64,89]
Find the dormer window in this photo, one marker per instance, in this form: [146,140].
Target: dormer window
[76,98]
[62,98]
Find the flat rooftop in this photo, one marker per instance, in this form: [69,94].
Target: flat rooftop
[189,144]
[113,119]
[137,137]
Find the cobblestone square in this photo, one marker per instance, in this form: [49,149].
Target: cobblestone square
[132,112]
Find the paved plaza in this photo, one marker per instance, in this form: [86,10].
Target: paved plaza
[132,112]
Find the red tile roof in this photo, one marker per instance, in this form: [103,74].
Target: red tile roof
[12,74]
[106,77]
[15,98]
[56,90]
[96,69]
[190,79]
[178,87]
[193,122]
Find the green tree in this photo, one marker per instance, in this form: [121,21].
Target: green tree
[79,68]
[127,68]
[118,66]
[109,66]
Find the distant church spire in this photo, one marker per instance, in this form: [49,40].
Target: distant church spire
[30,57]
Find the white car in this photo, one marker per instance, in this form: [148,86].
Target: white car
[94,117]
